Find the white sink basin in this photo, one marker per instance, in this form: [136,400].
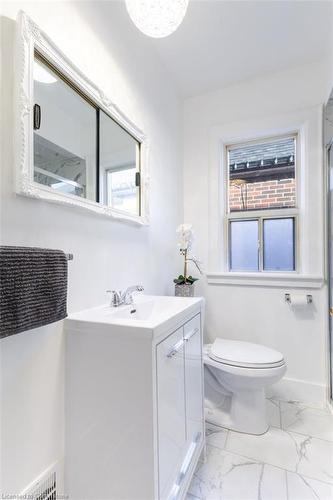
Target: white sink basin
[147,312]
[141,311]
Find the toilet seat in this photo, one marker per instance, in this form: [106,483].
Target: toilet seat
[244,354]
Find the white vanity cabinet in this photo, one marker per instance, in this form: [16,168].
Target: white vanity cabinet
[134,400]
[179,404]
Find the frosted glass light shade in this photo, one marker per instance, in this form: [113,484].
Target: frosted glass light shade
[157,18]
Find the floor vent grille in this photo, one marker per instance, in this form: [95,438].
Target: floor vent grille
[44,490]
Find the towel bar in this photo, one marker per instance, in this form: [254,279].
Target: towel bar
[69,256]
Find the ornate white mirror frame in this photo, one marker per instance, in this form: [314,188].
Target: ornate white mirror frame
[29,39]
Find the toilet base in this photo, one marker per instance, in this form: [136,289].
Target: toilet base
[245,413]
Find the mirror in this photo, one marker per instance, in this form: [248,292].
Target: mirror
[78,148]
[73,145]
[64,135]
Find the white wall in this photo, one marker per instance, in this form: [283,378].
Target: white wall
[107,254]
[256,313]
[329,80]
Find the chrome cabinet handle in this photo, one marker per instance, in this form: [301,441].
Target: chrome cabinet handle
[191,334]
[188,457]
[185,466]
[175,348]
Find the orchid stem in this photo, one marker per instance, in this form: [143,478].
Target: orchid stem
[185,265]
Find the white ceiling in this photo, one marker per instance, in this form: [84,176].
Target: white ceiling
[223,42]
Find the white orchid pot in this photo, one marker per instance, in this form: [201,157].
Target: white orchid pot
[184,290]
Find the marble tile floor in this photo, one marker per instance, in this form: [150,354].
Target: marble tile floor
[292,461]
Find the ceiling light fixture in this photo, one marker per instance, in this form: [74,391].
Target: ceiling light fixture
[157,18]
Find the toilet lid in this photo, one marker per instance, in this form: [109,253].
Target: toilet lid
[244,354]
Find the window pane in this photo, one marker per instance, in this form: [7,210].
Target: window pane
[244,249]
[65,138]
[121,190]
[119,163]
[262,175]
[279,251]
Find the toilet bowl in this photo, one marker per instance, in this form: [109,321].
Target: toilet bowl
[236,375]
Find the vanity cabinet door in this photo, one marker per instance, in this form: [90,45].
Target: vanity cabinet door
[193,381]
[171,410]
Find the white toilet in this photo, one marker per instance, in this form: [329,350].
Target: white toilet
[236,375]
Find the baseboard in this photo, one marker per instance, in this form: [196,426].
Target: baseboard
[52,478]
[289,389]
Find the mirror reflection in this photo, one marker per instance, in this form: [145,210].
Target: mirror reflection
[64,136]
[119,160]
[80,150]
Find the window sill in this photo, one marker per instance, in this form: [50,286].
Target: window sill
[278,280]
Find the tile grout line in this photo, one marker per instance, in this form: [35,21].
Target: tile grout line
[307,435]
[303,405]
[285,429]
[286,480]
[226,439]
[302,476]
[267,463]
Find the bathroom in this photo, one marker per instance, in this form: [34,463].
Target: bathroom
[231,75]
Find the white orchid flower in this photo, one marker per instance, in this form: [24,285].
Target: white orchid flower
[186,236]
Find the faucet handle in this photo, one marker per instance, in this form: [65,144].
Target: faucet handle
[115,298]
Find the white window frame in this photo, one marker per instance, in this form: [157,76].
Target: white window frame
[310,272]
[260,214]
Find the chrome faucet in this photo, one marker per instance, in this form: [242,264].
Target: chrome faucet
[126,297]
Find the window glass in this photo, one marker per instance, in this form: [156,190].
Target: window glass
[64,135]
[278,236]
[119,164]
[244,245]
[262,175]
[121,189]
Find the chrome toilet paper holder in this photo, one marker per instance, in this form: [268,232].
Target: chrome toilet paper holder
[287,298]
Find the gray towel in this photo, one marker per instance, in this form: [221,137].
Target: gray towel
[33,288]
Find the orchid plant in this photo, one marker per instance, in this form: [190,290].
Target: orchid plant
[186,238]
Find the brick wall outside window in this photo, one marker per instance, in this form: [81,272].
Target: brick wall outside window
[262,195]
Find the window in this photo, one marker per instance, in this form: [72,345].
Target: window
[262,205]
[244,250]
[279,244]
[121,189]
[262,244]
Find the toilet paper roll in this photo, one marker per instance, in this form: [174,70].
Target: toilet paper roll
[298,301]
